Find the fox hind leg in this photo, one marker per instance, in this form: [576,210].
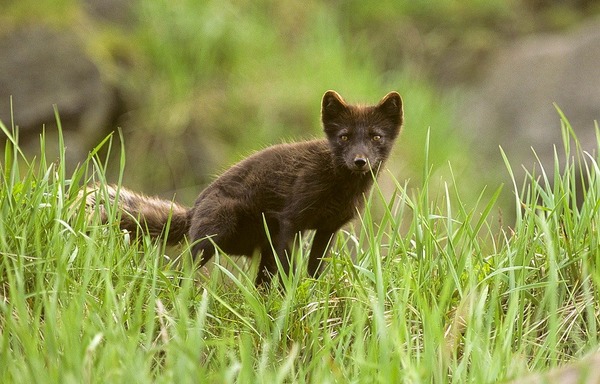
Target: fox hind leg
[267,267]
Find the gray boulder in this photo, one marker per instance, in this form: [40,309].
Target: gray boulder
[41,67]
[513,105]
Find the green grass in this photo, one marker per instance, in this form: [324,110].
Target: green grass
[431,292]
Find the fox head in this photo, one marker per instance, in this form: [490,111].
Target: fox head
[361,137]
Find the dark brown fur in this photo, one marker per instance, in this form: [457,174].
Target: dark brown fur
[143,213]
[314,185]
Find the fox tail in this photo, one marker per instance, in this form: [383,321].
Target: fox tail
[140,214]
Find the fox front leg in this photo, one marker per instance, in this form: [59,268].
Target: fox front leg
[318,249]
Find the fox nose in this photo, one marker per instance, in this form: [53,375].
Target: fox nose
[360,161]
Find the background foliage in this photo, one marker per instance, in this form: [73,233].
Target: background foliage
[204,83]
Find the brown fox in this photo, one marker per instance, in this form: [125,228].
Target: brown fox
[287,188]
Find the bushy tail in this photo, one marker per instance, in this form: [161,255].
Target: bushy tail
[142,214]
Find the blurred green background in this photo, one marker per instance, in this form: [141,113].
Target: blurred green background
[201,84]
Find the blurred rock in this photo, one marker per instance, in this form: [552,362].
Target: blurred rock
[114,11]
[513,106]
[586,371]
[40,67]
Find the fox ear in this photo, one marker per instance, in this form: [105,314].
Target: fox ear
[391,107]
[332,105]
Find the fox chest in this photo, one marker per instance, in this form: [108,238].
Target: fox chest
[327,210]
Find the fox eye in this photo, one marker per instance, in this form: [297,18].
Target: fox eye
[344,137]
[376,138]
